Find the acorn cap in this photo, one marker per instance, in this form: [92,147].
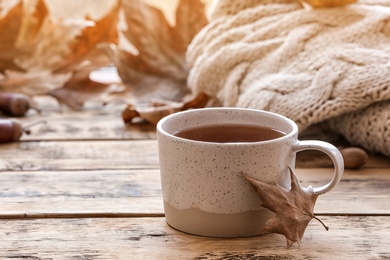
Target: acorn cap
[17,128]
[19,105]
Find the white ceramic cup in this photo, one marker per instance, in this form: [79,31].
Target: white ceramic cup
[203,189]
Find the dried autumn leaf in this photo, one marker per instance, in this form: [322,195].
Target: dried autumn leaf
[88,57]
[9,27]
[328,3]
[83,47]
[160,109]
[78,90]
[158,69]
[53,53]
[33,18]
[293,208]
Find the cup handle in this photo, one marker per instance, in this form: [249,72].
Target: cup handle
[332,152]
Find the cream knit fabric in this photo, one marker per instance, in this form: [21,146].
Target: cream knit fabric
[320,65]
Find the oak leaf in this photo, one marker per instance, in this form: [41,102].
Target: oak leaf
[293,208]
[10,23]
[157,68]
[162,108]
[328,3]
[43,55]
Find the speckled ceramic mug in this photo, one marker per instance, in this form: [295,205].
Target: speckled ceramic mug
[203,189]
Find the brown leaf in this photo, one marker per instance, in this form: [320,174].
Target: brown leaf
[328,3]
[9,28]
[293,208]
[158,69]
[84,45]
[32,21]
[190,19]
[78,90]
[32,82]
[153,114]
[85,55]
[56,56]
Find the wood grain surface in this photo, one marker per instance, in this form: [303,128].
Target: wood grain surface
[151,238]
[86,186]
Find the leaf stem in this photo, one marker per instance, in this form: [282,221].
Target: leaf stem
[323,224]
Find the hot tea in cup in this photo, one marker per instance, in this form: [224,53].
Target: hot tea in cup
[229,133]
[203,153]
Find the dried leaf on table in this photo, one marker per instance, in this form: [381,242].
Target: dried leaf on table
[46,54]
[293,208]
[157,69]
[160,109]
[79,89]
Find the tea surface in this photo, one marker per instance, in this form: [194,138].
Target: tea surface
[230,133]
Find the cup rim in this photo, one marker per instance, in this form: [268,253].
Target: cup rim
[161,122]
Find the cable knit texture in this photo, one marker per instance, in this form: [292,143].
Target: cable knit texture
[319,65]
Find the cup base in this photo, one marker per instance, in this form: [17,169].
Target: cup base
[198,222]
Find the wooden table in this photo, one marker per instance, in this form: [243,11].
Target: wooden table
[85,186]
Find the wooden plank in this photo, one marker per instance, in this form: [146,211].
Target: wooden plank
[57,155]
[74,155]
[93,124]
[94,129]
[363,191]
[106,124]
[315,159]
[93,121]
[35,208]
[152,238]
[138,193]
[80,193]
[97,122]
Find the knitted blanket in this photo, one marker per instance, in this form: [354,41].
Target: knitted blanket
[328,66]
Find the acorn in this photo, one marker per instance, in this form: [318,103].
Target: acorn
[11,130]
[15,104]
[354,157]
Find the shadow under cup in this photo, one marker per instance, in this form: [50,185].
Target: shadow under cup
[203,188]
